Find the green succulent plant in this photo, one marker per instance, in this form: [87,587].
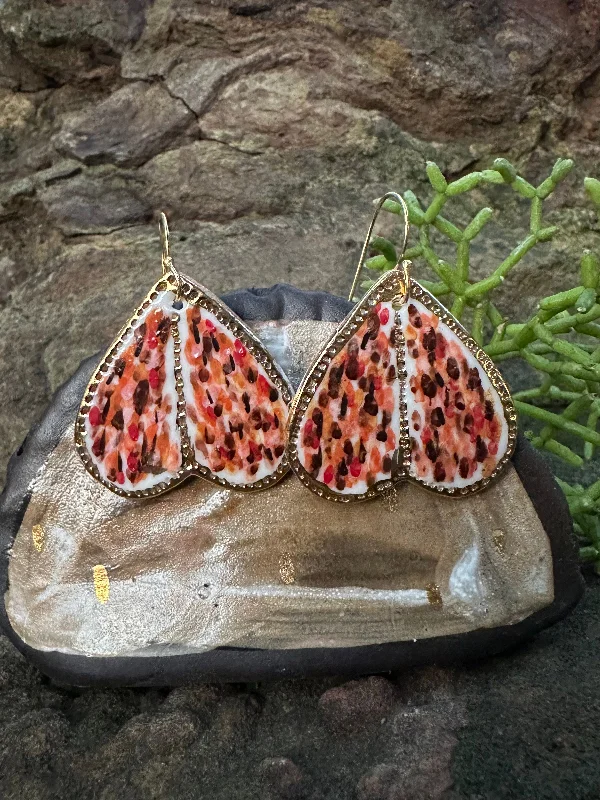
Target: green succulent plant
[560,341]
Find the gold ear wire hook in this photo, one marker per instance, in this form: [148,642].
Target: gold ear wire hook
[379,204]
[167,261]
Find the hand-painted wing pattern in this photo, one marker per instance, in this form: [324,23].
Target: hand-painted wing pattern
[236,416]
[131,426]
[186,390]
[456,419]
[349,431]
[421,401]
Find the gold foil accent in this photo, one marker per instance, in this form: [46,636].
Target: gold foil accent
[101,583]
[434,596]
[38,535]
[498,538]
[287,571]
[390,496]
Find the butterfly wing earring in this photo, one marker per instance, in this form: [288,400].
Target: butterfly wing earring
[400,392]
[185,389]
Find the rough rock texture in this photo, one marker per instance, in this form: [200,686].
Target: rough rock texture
[264,129]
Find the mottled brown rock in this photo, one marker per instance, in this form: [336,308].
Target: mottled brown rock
[358,704]
[282,778]
[283,109]
[198,82]
[94,202]
[150,736]
[239,185]
[127,128]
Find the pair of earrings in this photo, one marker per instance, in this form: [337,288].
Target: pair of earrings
[399,392]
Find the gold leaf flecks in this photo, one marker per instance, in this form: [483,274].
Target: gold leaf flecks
[101,583]
[287,571]
[38,535]
[391,497]
[498,539]
[434,596]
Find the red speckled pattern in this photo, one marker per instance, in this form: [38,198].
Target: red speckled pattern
[457,425]
[236,416]
[130,430]
[349,431]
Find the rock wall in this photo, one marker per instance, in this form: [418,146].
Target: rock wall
[264,129]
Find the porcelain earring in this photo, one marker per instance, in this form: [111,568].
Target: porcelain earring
[400,392]
[186,389]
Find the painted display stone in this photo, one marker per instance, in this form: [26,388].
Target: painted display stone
[205,583]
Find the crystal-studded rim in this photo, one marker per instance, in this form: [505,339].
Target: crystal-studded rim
[194,294]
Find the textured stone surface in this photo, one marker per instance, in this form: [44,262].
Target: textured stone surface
[131,125]
[457,81]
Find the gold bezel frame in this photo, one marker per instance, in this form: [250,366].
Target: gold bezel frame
[387,288]
[195,294]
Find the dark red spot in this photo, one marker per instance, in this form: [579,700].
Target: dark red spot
[352,369]
[263,385]
[317,418]
[99,445]
[344,406]
[428,386]
[452,368]
[439,473]
[437,417]
[414,316]
[481,450]
[473,381]
[94,416]
[429,340]
[336,431]
[432,450]
[355,468]
[140,396]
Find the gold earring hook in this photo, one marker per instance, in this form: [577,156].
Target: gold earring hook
[167,261]
[379,204]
